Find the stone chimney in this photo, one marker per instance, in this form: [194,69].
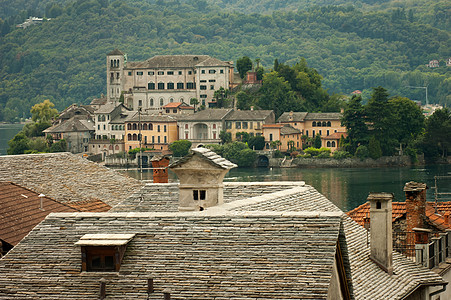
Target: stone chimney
[160,171]
[201,174]
[381,242]
[415,205]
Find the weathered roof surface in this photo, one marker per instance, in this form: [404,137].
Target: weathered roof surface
[98,101]
[107,108]
[20,211]
[116,52]
[251,115]
[399,210]
[292,117]
[304,116]
[66,177]
[207,155]
[74,124]
[214,62]
[196,255]
[177,61]
[370,281]
[164,197]
[323,116]
[289,130]
[208,115]
[181,105]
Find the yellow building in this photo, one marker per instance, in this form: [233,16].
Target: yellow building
[250,121]
[311,124]
[287,135]
[157,131]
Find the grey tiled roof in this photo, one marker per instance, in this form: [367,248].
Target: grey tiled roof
[207,155]
[252,115]
[289,130]
[177,61]
[116,52]
[151,118]
[323,116]
[74,124]
[209,115]
[296,117]
[107,108]
[66,177]
[196,255]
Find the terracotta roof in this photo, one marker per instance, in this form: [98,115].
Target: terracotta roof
[94,205]
[335,136]
[273,125]
[20,211]
[399,210]
[180,105]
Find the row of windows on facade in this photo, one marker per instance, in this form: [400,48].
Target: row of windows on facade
[320,132]
[114,63]
[242,125]
[110,147]
[321,124]
[190,72]
[145,126]
[170,86]
[137,137]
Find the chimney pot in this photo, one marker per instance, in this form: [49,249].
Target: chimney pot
[381,244]
[102,288]
[167,294]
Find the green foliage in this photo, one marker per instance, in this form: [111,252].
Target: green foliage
[239,153]
[18,144]
[358,46]
[277,154]
[43,112]
[132,152]
[362,152]
[180,148]
[256,142]
[317,152]
[218,149]
[374,148]
[226,137]
[437,139]
[60,146]
[341,154]
[244,100]
[242,136]
[246,158]
[243,65]
[317,141]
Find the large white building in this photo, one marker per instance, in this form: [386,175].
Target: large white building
[163,79]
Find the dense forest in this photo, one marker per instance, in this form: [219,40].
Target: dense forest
[353,47]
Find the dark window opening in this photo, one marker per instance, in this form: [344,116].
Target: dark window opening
[378,205]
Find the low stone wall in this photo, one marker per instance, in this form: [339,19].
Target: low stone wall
[386,161]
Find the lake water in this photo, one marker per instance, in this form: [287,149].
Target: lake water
[346,187]
[7,132]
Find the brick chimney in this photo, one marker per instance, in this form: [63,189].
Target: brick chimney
[381,244]
[415,205]
[160,171]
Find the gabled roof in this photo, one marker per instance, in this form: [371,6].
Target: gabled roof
[107,108]
[208,156]
[208,115]
[323,116]
[287,129]
[116,52]
[196,255]
[168,61]
[74,124]
[181,105]
[20,211]
[434,216]
[335,136]
[292,117]
[249,115]
[66,177]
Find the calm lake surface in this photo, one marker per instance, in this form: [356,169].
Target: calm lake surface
[346,187]
[7,132]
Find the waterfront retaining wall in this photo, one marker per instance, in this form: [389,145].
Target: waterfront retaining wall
[386,161]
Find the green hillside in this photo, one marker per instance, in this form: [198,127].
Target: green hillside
[351,47]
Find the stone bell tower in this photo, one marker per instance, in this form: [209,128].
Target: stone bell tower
[114,71]
[201,174]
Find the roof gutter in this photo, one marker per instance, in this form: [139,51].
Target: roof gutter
[443,284]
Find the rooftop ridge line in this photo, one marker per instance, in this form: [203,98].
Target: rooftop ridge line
[205,213]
